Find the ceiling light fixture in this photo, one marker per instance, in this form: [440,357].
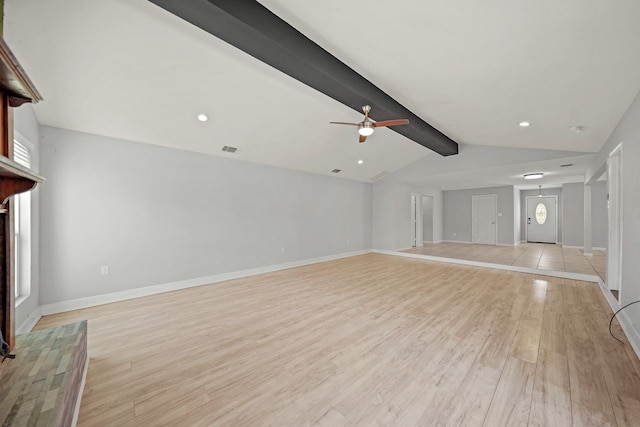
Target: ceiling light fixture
[365,130]
[576,129]
[360,162]
[536,175]
[203,117]
[524,124]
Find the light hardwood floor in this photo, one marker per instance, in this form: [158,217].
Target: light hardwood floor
[363,341]
[542,256]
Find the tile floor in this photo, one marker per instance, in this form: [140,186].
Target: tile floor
[532,255]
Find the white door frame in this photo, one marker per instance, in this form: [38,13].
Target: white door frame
[416,220]
[615,235]
[422,196]
[526,210]
[495,219]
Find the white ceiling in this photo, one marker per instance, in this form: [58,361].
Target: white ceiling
[474,70]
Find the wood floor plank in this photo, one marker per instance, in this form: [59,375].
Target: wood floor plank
[511,401]
[367,340]
[551,401]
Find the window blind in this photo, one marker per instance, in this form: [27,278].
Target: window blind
[21,154]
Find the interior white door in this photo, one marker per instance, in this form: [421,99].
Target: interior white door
[542,221]
[483,219]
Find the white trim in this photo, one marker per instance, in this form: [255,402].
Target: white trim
[76,411]
[627,325]
[507,244]
[460,241]
[582,247]
[76,304]
[552,273]
[404,249]
[30,322]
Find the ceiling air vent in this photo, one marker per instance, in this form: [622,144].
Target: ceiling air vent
[229,149]
[336,171]
[566,165]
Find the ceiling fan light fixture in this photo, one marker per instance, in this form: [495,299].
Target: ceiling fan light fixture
[365,130]
[536,175]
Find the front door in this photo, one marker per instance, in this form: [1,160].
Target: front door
[483,219]
[542,219]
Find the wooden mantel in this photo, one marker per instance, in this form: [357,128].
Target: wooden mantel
[15,89]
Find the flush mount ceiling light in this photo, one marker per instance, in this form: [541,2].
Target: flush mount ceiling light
[360,162]
[203,117]
[524,124]
[536,175]
[576,129]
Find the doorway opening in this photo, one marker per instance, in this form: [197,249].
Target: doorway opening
[421,219]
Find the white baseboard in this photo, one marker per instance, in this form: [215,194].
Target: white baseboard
[508,244]
[552,273]
[457,241]
[627,326]
[30,322]
[76,304]
[597,248]
[403,249]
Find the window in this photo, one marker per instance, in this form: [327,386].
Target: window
[541,213]
[22,226]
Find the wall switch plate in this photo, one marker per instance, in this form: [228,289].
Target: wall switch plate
[104,270]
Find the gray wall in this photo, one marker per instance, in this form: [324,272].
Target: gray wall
[26,123]
[156,215]
[457,213]
[627,132]
[523,209]
[392,214]
[573,214]
[599,214]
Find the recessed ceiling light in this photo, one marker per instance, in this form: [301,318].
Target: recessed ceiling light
[536,175]
[524,124]
[360,162]
[203,117]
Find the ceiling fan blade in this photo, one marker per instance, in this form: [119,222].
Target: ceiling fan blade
[362,138]
[395,122]
[344,123]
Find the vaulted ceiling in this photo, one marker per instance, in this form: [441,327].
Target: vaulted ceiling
[473,70]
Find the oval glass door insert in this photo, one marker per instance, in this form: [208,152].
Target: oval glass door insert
[541,213]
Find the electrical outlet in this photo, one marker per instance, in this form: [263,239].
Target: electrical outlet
[104,270]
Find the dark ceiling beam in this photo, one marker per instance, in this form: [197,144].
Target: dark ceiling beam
[251,27]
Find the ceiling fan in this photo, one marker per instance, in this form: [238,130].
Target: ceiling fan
[366,127]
